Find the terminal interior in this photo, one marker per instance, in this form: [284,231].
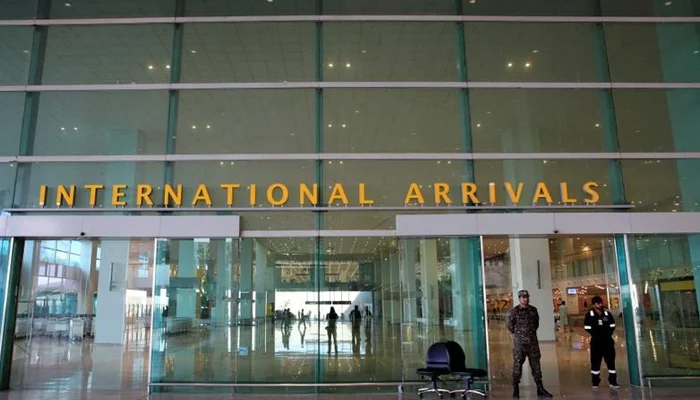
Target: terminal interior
[112,314]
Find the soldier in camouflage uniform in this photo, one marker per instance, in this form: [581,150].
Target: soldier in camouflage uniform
[523,322]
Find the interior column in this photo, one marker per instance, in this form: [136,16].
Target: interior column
[429,281]
[260,281]
[246,281]
[408,280]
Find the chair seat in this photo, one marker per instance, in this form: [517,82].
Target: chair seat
[473,372]
[433,371]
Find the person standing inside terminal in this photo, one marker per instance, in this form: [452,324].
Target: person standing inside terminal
[564,318]
[600,324]
[523,322]
[332,330]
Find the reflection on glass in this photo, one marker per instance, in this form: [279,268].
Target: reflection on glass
[260,52]
[83,302]
[4,265]
[71,123]
[406,51]
[18,9]
[117,54]
[246,121]
[664,271]
[111,9]
[107,174]
[530,52]
[537,121]
[15,50]
[392,120]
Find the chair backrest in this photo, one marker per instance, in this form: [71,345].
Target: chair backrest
[438,356]
[458,360]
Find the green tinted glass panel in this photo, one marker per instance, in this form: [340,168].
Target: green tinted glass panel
[15,49]
[653,52]
[662,185]
[246,121]
[11,110]
[111,9]
[249,7]
[529,8]
[261,52]
[520,120]
[114,54]
[7,183]
[18,9]
[650,8]
[81,174]
[116,122]
[397,51]
[657,120]
[389,7]
[540,52]
[392,120]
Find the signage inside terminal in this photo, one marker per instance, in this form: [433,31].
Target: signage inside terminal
[301,195]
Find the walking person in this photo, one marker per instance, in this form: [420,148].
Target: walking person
[600,324]
[523,322]
[564,318]
[332,330]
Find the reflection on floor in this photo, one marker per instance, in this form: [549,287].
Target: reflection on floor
[275,353]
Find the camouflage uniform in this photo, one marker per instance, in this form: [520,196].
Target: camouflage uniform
[523,323]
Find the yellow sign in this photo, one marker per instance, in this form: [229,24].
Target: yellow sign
[278,194]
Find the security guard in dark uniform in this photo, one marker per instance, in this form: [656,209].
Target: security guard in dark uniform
[600,324]
[523,322]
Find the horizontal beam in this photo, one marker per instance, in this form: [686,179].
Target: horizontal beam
[347,157]
[347,18]
[544,224]
[348,85]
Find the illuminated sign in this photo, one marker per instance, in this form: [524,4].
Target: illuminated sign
[278,194]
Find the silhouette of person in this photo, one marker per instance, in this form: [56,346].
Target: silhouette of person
[332,330]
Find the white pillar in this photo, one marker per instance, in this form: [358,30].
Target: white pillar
[260,281]
[385,273]
[246,281]
[222,309]
[429,281]
[408,280]
[394,286]
[111,293]
[531,271]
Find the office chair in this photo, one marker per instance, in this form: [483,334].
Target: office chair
[437,363]
[458,367]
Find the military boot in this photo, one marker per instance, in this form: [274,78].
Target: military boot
[542,392]
[516,391]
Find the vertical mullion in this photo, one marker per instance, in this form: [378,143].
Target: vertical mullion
[629,300]
[318,147]
[14,272]
[611,142]
[174,95]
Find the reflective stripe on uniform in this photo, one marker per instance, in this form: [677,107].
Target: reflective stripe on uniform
[612,325]
[595,372]
[586,327]
[591,313]
[606,313]
[612,371]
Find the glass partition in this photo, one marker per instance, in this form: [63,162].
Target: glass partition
[83,314]
[664,270]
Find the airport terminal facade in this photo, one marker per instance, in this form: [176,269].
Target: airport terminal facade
[187,187]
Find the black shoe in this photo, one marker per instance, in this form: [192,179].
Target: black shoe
[542,392]
[516,391]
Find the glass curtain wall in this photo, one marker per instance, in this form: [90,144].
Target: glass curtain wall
[252,310]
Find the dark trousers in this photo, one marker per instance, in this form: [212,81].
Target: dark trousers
[531,351]
[603,349]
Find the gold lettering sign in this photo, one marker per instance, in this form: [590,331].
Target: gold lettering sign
[280,194]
